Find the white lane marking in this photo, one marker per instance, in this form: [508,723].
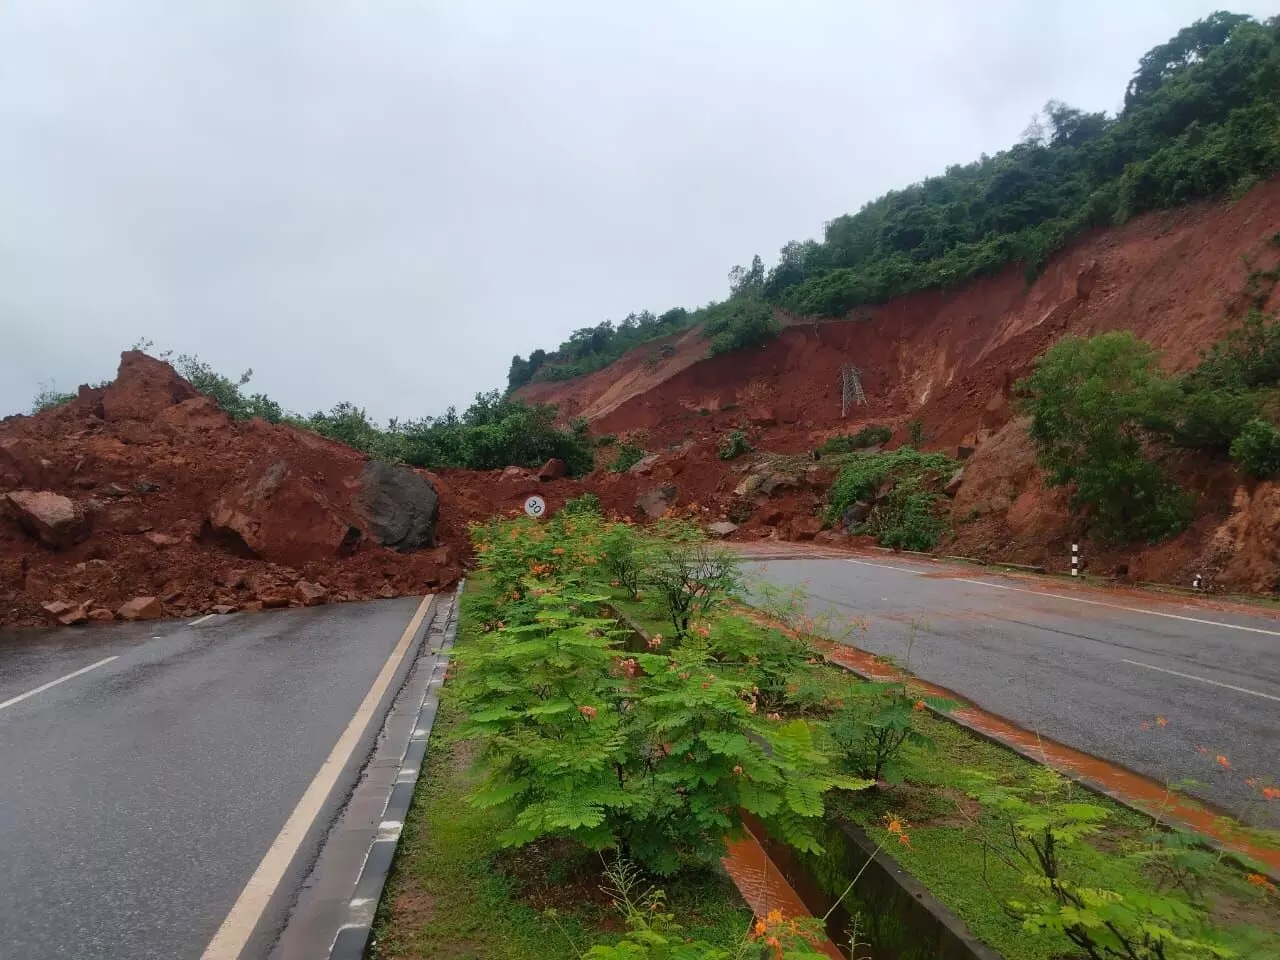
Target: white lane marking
[1118,606]
[198,620]
[53,683]
[230,940]
[1191,676]
[884,566]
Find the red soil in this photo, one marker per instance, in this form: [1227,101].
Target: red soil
[950,359]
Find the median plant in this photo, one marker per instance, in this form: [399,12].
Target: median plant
[688,577]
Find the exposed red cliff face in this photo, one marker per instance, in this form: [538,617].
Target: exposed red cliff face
[950,358]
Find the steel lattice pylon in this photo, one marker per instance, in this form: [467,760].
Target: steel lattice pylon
[850,388]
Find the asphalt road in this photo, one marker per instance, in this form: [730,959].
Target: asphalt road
[137,798]
[1086,668]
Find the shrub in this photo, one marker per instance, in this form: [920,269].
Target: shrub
[738,323]
[1209,418]
[623,556]
[1090,403]
[861,478]
[734,445]
[48,398]
[627,456]
[688,577]
[909,518]
[877,721]
[587,503]
[868,436]
[1257,449]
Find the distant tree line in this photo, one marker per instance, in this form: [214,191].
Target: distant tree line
[1201,118]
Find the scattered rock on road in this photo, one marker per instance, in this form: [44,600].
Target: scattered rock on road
[311,594]
[141,608]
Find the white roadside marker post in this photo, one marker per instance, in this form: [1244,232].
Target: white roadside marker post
[1075,559]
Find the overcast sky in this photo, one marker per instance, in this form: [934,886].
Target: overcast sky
[383,201]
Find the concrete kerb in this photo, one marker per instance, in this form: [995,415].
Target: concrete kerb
[353,936]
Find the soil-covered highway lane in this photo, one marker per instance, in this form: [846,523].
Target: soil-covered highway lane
[146,769]
[1085,667]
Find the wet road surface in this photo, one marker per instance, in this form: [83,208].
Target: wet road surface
[145,770]
[1083,667]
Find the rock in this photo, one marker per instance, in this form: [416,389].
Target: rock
[253,606]
[310,594]
[643,465]
[722,529]
[57,608]
[773,482]
[144,387]
[654,503]
[76,615]
[197,415]
[1087,279]
[114,491]
[55,520]
[771,517]
[141,608]
[806,528]
[222,609]
[953,485]
[101,615]
[399,505]
[553,469]
[387,591]
[749,485]
[964,453]
[280,516]
[762,417]
[854,514]
[19,464]
[234,579]
[514,473]
[161,540]
[146,486]
[830,536]
[274,601]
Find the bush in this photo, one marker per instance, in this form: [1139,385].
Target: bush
[1207,418]
[628,455]
[586,504]
[861,478]
[1257,449]
[868,436]
[48,398]
[734,445]
[688,576]
[739,323]
[1091,402]
[909,519]
[915,433]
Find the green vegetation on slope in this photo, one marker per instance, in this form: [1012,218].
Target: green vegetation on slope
[1201,118]
[1104,414]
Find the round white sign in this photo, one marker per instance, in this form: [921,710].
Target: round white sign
[535,507]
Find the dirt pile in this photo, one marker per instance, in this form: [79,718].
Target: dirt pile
[143,498]
[949,358]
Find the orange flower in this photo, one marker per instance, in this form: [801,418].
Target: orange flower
[904,839]
[1271,793]
[918,706]
[1223,762]
[737,771]
[1162,721]
[1258,880]
[588,712]
[893,823]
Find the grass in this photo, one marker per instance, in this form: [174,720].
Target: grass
[945,825]
[454,894]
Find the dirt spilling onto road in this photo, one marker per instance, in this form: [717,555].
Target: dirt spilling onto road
[146,489]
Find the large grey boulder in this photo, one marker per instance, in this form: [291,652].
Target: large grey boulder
[400,506]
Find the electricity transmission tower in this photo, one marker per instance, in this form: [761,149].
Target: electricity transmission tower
[850,388]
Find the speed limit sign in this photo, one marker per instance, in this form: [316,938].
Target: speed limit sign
[535,507]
